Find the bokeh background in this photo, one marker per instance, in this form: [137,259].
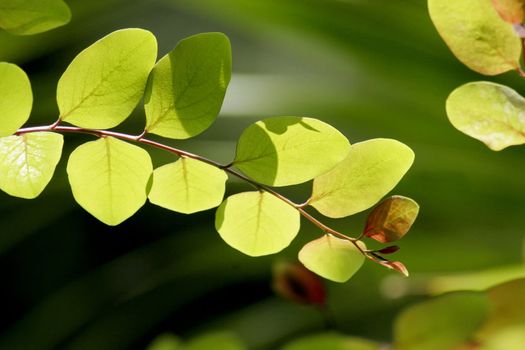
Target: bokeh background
[370,68]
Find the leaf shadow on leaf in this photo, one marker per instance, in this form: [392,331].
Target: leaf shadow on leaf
[265,151]
[285,123]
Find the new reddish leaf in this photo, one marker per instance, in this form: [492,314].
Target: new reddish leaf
[391,219]
[512,11]
[396,265]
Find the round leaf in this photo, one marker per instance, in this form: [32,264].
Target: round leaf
[476,34]
[332,341]
[16,98]
[257,223]
[445,322]
[166,341]
[27,162]
[512,11]
[371,170]
[216,340]
[188,186]
[104,83]
[507,304]
[186,88]
[391,219]
[489,112]
[283,151]
[109,177]
[25,17]
[332,258]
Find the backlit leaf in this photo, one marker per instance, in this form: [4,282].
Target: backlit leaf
[391,219]
[489,112]
[16,98]
[332,341]
[397,266]
[257,223]
[216,340]
[512,11]
[369,172]
[332,258]
[285,151]
[445,322]
[186,88]
[27,162]
[188,186]
[109,177]
[166,341]
[476,34]
[104,83]
[507,302]
[25,17]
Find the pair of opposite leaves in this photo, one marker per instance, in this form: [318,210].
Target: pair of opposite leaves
[484,35]
[100,89]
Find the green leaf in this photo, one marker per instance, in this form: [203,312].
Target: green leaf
[104,83]
[188,186]
[166,341]
[512,11]
[27,162]
[371,170]
[507,304]
[391,219]
[109,177]
[284,151]
[331,341]
[489,112]
[216,340]
[512,337]
[16,98]
[332,258]
[25,17]
[476,34]
[445,322]
[257,223]
[186,88]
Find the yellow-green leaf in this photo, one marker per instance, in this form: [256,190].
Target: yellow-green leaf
[16,98]
[257,223]
[507,302]
[188,186]
[332,258]
[27,162]
[369,172]
[476,34]
[215,340]
[332,341]
[186,88]
[166,341]
[25,17]
[104,83]
[489,112]
[284,151]
[109,177]
[445,322]
[391,219]
[512,11]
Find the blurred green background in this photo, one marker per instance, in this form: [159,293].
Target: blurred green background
[371,68]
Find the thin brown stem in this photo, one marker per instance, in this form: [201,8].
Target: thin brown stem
[181,153]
